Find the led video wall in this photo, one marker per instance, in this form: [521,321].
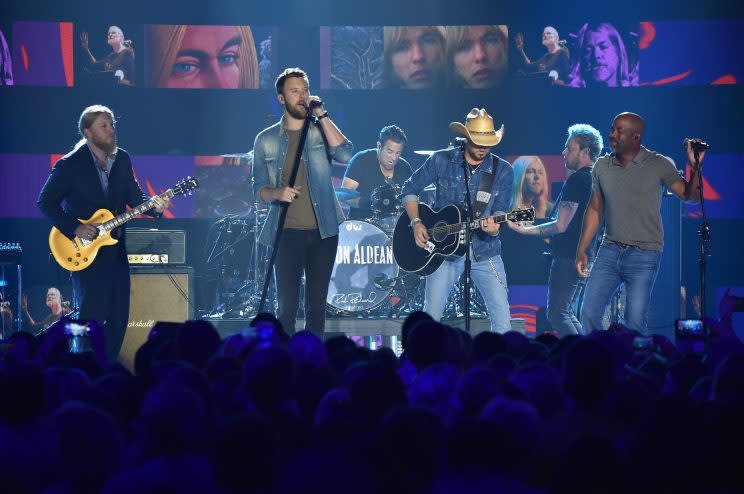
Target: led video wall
[572,55]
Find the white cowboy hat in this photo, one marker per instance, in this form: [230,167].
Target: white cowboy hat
[479,128]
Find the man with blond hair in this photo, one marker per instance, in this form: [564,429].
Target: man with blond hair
[97,174]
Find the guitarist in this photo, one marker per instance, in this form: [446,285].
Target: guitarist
[97,174]
[446,169]
[582,149]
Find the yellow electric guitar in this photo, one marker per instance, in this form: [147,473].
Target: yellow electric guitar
[77,254]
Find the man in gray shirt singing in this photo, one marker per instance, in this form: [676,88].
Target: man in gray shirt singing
[626,189]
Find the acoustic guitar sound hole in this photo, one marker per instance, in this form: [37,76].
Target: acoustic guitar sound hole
[441,235]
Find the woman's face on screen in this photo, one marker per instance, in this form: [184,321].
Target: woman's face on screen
[480,57]
[207,58]
[417,58]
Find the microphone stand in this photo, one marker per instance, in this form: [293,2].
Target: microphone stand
[704,233]
[284,207]
[468,220]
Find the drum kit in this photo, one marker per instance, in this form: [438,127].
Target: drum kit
[237,262]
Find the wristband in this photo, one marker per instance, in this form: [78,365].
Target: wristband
[325,115]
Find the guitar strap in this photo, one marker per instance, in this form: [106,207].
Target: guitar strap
[483,196]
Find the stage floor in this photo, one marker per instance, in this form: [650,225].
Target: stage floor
[352,326]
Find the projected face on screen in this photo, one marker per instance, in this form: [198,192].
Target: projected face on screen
[115,37]
[531,185]
[414,56]
[219,57]
[478,55]
[602,58]
[534,178]
[549,37]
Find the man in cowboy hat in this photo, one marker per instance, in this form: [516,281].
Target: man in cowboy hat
[445,168]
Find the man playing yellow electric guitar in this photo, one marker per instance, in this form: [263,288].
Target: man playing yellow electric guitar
[97,175]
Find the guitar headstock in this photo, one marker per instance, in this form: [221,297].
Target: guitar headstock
[522,216]
[185,186]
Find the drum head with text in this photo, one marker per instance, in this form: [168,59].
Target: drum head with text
[364,253]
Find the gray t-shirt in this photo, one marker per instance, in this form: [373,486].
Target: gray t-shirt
[632,197]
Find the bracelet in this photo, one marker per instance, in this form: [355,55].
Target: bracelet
[415,221]
[325,115]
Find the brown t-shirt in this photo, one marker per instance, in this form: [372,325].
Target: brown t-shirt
[300,215]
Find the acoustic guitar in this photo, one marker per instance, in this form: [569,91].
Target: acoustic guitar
[446,236]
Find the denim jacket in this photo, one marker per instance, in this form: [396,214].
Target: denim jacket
[269,152]
[444,169]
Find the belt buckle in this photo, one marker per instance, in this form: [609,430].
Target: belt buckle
[621,245]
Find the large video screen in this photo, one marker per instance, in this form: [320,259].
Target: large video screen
[576,54]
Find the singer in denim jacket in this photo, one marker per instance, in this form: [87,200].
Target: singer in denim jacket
[269,152]
[309,238]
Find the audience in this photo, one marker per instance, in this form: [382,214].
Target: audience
[264,412]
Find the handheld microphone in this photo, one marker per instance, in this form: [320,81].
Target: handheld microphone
[697,144]
[312,104]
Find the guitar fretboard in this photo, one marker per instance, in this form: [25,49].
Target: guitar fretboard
[457,227]
[142,208]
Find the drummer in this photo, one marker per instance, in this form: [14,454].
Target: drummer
[380,169]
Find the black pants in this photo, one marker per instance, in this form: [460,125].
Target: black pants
[303,251]
[101,291]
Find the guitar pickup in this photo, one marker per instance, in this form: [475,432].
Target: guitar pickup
[429,247]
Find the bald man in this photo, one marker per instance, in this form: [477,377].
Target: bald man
[626,190]
[57,308]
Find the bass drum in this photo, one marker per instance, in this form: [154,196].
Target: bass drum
[364,254]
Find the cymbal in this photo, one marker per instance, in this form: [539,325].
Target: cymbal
[425,152]
[430,188]
[346,194]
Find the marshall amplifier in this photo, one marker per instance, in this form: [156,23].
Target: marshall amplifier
[156,293]
[153,246]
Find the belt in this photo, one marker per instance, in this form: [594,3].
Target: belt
[620,244]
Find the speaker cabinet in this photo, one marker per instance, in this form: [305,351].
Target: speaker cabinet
[156,294]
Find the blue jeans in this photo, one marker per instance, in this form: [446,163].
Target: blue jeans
[564,287]
[635,267]
[490,279]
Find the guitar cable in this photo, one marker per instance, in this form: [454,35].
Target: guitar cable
[181,292]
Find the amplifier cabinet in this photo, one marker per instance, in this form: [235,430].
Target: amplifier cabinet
[155,295]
